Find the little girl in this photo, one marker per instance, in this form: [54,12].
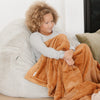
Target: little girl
[41,19]
[52,68]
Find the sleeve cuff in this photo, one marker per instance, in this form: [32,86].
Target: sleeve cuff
[61,55]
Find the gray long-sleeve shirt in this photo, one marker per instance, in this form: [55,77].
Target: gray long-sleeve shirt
[38,46]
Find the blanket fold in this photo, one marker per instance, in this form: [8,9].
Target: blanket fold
[64,82]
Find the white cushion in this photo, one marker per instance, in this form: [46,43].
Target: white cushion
[72,40]
[16,58]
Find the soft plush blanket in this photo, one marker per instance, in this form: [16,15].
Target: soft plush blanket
[64,82]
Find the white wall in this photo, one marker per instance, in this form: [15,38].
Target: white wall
[70,13]
[12,9]
[74,16]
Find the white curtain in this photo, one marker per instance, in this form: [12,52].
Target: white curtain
[74,16]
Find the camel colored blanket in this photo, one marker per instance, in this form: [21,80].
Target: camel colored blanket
[64,82]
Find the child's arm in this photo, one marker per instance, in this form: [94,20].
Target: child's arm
[39,45]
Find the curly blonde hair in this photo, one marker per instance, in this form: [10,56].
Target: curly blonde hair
[34,15]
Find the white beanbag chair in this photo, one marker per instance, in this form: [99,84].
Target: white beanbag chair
[95,96]
[16,58]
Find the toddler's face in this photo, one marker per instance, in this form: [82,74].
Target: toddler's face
[47,25]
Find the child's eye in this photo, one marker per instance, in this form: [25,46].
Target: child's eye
[48,22]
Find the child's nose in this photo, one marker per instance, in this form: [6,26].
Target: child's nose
[50,25]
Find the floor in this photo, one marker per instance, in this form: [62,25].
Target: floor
[3,97]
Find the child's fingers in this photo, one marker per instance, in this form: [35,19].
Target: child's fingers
[70,62]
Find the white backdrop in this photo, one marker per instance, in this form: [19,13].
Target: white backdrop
[70,12]
[74,16]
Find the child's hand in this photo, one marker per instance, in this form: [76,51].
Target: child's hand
[68,57]
[70,61]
